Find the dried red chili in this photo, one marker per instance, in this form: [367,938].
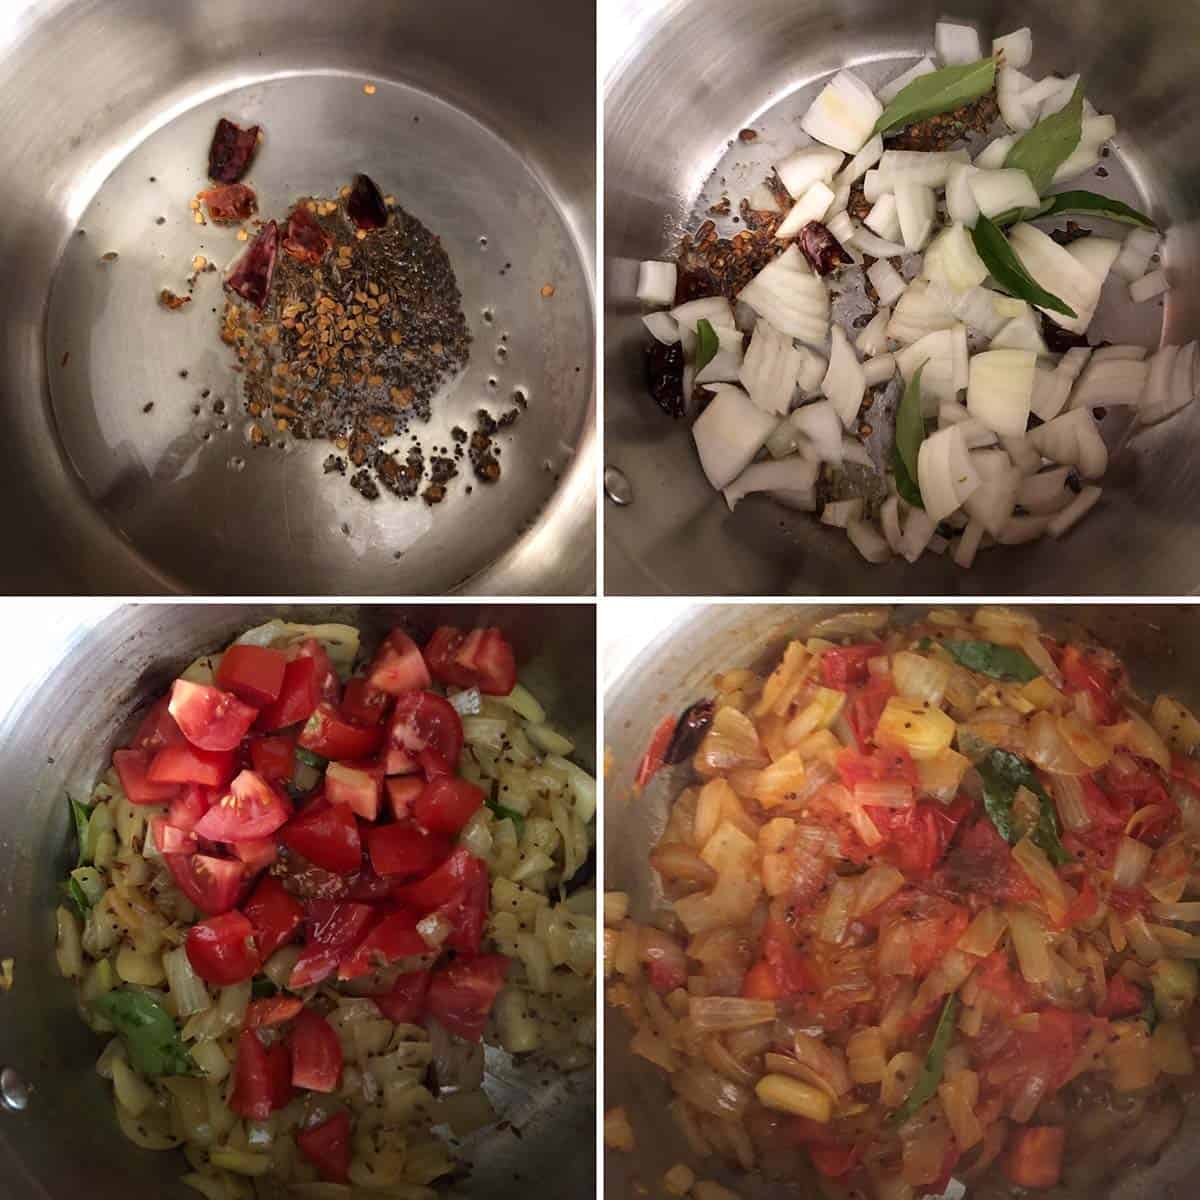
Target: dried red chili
[304,239]
[365,204]
[231,151]
[251,278]
[231,202]
[823,251]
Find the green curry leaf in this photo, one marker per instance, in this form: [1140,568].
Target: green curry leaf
[1045,147]
[1003,773]
[707,344]
[935,1062]
[937,92]
[1007,269]
[149,1033]
[996,662]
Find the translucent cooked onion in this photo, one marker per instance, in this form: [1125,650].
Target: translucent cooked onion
[1033,861]
[1048,749]
[1084,741]
[849,624]
[876,885]
[1132,862]
[899,1079]
[723,1014]
[1030,943]
[1187,910]
[984,932]
[704,1089]
[918,677]
[827,1063]
[1142,939]
[836,917]
[884,793]
[673,860]
[1069,801]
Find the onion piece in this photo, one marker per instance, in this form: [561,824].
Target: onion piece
[992,156]
[727,1014]
[1119,354]
[841,228]
[788,295]
[812,371]
[940,354]
[1070,516]
[1131,863]
[1016,48]
[812,206]
[920,311]
[873,339]
[952,260]
[1000,390]
[656,283]
[883,219]
[992,503]
[793,474]
[1164,393]
[801,169]
[960,199]
[1095,254]
[945,473]
[968,545]
[861,163]
[821,427]
[916,208]
[868,541]
[1030,942]
[726,364]
[918,529]
[1019,530]
[1111,383]
[1059,272]
[729,433]
[843,114]
[839,513]
[1011,85]
[1073,440]
[956,44]
[928,167]
[891,90]
[714,309]
[1149,286]
[1047,492]
[844,384]
[1136,251]
[888,283]
[868,243]
[998,191]
[770,369]
[879,369]
[663,327]
[889,520]
[1020,333]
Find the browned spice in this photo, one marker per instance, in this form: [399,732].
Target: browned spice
[939,132]
[710,265]
[168,299]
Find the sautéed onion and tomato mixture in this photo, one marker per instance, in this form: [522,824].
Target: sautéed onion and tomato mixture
[931,899]
[309,889]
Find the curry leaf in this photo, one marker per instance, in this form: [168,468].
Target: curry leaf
[1003,773]
[82,815]
[937,92]
[996,662]
[935,1062]
[502,813]
[149,1033]
[78,897]
[310,759]
[1007,270]
[1092,204]
[1041,151]
[707,345]
[910,433]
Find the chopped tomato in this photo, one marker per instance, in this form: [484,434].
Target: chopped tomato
[170,839]
[327,835]
[866,707]
[665,976]
[1034,1158]
[981,864]
[760,982]
[189,806]
[461,995]
[433,765]
[652,760]
[211,884]
[405,1003]
[274,914]
[329,687]
[251,809]
[362,704]
[403,791]
[330,735]
[931,922]
[158,729]
[996,976]
[1085,906]
[132,768]
[440,885]
[210,718]
[261,1078]
[458,889]
[855,767]
[1123,999]
[447,804]
[368,887]
[423,721]
[833,1159]
[252,673]
[1140,784]
[186,764]
[917,836]
[256,853]
[222,949]
[482,658]
[327,1147]
[334,929]
[784,958]
[1049,1051]
[298,697]
[274,1010]
[398,666]
[405,850]
[274,757]
[393,938]
[316,1053]
[1087,672]
[356,785]
[842,666]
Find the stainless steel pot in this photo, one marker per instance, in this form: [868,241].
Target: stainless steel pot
[1160,647]
[685,77]
[481,122]
[82,691]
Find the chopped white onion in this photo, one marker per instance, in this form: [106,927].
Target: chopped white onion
[978,307]
[879,370]
[993,501]
[1132,862]
[891,90]
[656,283]
[873,338]
[1073,440]
[663,327]
[889,520]
[1045,493]
[1051,389]
[1074,512]
[812,206]
[868,541]
[943,377]
[1020,333]
[1011,84]
[841,227]
[1016,47]
[888,283]
[928,167]
[1000,389]
[1052,95]
[876,247]
[1110,383]
[843,114]
[729,433]
[726,365]
[844,383]
[809,165]
[918,529]
[1149,286]
[714,309]
[968,545]
[882,219]
[1059,272]
[861,163]
[1019,530]
[1119,354]
[821,427]
[916,208]
[997,191]
[1096,254]
[769,370]
[812,370]
[920,311]
[960,199]
[793,474]
[945,473]
[1136,251]
[1023,453]
[762,199]
[786,293]
[839,513]
[956,44]
[1156,400]
[992,156]
[841,198]
[953,261]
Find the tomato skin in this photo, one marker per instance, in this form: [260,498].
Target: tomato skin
[1006,985]
[445,804]
[1124,999]
[760,984]
[398,666]
[328,734]
[158,729]
[211,884]
[362,704]
[783,957]
[273,1010]
[404,850]
[251,810]
[256,853]
[186,764]
[459,889]
[298,697]
[132,767]
[652,760]
[222,950]
[403,791]
[497,665]
[440,653]
[274,914]
[425,721]
[917,836]
[461,995]
[842,666]
[261,1078]
[252,673]
[327,1147]
[316,1053]
[329,686]
[482,658]
[405,1003]
[327,835]
[170,839]
[392,938]
[866,707]
[210,718]
[1083,672]
[274,757]
[334,928]
[356,785]
[189,806]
